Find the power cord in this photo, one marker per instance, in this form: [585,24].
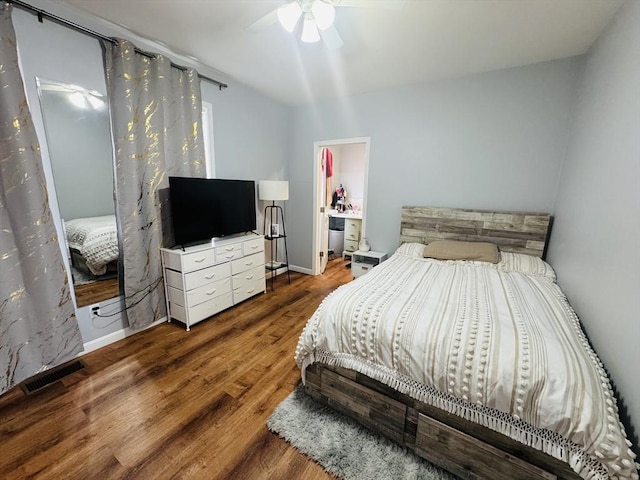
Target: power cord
[150,288]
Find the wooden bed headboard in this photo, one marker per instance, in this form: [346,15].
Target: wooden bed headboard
[518,232]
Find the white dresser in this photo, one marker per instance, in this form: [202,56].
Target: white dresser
[203,280]
[352,230]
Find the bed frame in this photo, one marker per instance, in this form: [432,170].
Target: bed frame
[518,232]
[466,449]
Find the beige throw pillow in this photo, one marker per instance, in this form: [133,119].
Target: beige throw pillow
[458,250]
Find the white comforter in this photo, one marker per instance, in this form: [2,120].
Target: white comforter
[496,344]
[96,238]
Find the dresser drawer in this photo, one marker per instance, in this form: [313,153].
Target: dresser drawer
[173,278]
[353,235]
[249,276]
[352,229]
[247,263]
[197,260]
[350,245]
[201,277]
[358,269]
[248,290]
[208,291]
[197,278]
[253,246]
[200,294]
[203,310]
[486,461]
[227,253]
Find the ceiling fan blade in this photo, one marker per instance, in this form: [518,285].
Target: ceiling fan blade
[386,4]
[331,38]
[264,22]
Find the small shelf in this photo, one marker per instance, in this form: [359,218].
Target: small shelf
[275,265]
[273,213]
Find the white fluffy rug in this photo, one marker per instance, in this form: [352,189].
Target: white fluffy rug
[343,447]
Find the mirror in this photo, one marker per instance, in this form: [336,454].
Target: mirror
[76,122]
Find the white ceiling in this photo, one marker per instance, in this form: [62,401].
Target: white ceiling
[417,41]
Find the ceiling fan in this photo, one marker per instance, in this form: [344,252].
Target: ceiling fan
[317,18]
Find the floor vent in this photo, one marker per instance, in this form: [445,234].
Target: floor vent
[49,377]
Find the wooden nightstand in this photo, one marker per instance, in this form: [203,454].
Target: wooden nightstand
[362,262]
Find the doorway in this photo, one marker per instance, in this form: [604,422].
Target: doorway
[347,167]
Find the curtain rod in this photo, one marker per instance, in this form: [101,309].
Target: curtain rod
[41,14]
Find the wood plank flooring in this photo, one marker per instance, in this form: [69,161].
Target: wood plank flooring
[166,403]
[94,292]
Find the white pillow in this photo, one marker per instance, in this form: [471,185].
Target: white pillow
[527,264]
[411,249]
[509,262]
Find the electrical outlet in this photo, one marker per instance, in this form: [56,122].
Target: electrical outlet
[95,311]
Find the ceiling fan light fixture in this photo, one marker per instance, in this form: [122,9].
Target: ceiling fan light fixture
[324,13]
[78,99]
[310,32]
[288,15]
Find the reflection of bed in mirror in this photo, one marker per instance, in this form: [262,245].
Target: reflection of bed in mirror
[93,247]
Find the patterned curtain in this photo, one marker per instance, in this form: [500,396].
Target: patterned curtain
[156,117]
[38,327]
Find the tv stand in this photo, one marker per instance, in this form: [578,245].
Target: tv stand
[202,280]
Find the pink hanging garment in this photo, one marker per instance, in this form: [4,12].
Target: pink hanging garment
[327,156]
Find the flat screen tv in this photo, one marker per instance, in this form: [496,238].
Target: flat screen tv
[205,208]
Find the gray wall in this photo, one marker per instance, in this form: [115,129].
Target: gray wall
[595,244]
[494,140]
[251,133]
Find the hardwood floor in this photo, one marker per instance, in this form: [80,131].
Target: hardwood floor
[166,403]
[90,293]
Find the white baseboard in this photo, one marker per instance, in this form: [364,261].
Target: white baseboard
[115,336]
[295,268]
[292,268]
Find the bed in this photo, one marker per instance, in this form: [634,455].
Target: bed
[481,368]
[93,244]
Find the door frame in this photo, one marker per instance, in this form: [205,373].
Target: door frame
[317,218]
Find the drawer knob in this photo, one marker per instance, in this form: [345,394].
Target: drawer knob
[249,277]
[251,290]
[249,263]
[229,249]
[209,277]
[211,292]
[199,260]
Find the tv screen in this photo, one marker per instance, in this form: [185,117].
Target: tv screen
[204,208]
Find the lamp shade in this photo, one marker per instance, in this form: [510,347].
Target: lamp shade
[273,190]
